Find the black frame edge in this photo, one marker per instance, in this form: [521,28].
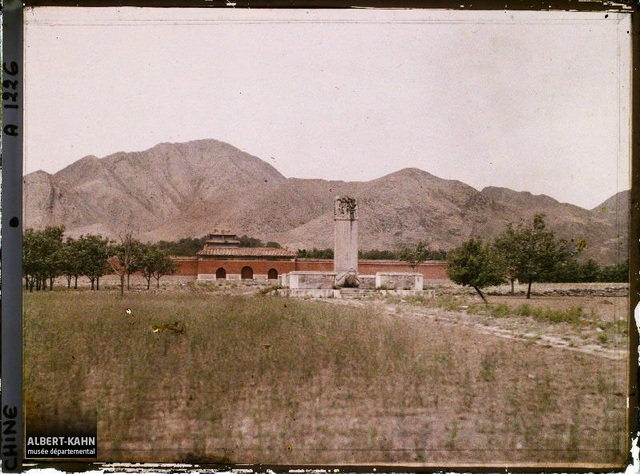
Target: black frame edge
[573,5]
[634,233]
[11,307]
[12,146]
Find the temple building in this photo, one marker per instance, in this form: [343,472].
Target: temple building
[222,258]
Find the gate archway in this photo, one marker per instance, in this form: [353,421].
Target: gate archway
[272,274]
[246,273]
[221,274]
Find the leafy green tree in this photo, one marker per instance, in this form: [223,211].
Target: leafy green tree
[93,252]
[155,263]
[504,246]
[187,246]
[53,253]
[325,254]
[31,258]
[532,253]
[42,257]
[137,251]
[437,255]
[475,264]
[246,241]
[618,273]
[415,255]
[570,271]
[73,263]
[589,271]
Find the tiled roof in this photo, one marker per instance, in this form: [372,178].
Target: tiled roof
[247,252]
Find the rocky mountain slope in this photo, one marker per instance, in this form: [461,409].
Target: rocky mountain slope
[188,189]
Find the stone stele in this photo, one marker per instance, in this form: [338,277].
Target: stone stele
[345,260]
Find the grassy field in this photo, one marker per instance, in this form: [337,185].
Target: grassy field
[262,379]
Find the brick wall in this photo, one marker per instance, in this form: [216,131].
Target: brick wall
[259,267]
[191,266]
[314,265]
[187,266]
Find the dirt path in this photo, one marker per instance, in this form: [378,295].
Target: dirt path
[524,329]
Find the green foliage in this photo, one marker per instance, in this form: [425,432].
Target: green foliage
[618,273]
[190,246]
[414,256]
[73,264]
[155,262]
[590,272]
[437,255]
[316,253]
[475,264]
[93,252]
[376,254]
[531,253]
[573,271]
[418,254]
[246,241]
[184,247]
[47,257]
[574,316]
[500,310]
[43,257]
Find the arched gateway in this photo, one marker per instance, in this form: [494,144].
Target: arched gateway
[222,258]
[246,273]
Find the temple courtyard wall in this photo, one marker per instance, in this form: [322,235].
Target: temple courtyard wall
[261,269]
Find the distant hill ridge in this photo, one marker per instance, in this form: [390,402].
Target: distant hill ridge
[187,189]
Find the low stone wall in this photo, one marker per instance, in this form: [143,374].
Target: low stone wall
[326,280]
[230,277]
[399,281]
[417,293]
[311,280]
[206,277]
[351,293]
[367,282]
[309,293]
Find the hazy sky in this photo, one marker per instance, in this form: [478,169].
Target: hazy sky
[531,101]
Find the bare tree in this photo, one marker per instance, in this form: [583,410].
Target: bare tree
[124,258]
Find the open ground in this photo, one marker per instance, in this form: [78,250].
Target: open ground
[229,373]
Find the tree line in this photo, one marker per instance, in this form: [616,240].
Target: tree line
[419,253]
[190,246]
[526,253]
[529,254]
[47,255]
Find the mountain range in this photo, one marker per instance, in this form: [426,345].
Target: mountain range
[189,189]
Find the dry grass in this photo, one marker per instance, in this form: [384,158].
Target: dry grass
[596,323]
[275,380]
